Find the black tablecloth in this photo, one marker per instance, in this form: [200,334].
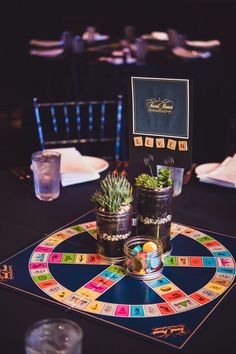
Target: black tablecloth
[24,219]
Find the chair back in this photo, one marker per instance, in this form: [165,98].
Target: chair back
[230,141]
[175,39]
[92,126]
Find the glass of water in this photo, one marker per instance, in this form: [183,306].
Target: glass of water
[46,172]
[54,336]
[177,175]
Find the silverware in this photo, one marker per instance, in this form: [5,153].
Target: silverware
[188,174]
[120,168]
[21,173]
[124,172]
[116,171]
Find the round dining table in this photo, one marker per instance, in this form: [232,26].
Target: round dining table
[24,220]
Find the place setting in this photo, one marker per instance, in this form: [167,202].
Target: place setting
[218,173]
[65,166]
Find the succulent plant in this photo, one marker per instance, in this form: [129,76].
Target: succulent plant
[115,192]
[163,179]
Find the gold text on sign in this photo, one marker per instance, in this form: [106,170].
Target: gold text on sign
[160,106]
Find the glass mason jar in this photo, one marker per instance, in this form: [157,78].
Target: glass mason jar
[140,263]
[154,214]
[112,231]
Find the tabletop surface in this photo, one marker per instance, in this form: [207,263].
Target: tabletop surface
[24,220]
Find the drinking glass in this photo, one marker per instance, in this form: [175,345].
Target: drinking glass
[54,336]
[177,175]
[46,172]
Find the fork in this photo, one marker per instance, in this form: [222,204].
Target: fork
[124,172]
[116,171]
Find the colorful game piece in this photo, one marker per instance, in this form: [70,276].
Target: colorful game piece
[137,265]
[149,247]
[136,249]
[155,262]
[142,271]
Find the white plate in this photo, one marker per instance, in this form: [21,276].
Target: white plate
[97,163]
[117,60]
[190,54]
[45,43]
[203,44]
[160,36]
[205,168]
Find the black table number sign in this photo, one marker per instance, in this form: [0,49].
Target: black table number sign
[161,121]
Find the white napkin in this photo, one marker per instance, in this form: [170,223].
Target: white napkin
[223,175]
[47,52]
[75,168]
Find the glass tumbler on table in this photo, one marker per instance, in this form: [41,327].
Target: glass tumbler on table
[54,336]
[177,175]
[46,172]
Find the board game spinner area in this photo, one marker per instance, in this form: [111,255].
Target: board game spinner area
[64,268]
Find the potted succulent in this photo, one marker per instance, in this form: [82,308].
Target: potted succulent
[154,201]
[113,216]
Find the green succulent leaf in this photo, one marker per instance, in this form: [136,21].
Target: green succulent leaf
[163,180]
[115,191]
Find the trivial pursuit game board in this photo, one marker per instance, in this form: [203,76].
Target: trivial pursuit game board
[64,268]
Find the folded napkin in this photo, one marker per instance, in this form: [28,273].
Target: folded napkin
[47,52]
[224,174]
[75,168]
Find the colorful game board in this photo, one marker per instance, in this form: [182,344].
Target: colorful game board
[64,268]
